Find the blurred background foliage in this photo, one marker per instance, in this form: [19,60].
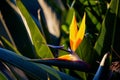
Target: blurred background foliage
[28,26]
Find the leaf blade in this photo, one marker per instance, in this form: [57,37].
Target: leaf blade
[37,38]
[32,69]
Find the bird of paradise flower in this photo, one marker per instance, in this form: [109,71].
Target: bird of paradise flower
[72,60]
[76,36]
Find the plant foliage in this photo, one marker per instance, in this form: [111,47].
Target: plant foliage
[59,39]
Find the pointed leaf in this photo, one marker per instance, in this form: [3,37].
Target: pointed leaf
[2,76]
[8,45]
[37,38]
[110,29]
[34,70]
[85,52]
[62,63]
[17,28]
[99,73]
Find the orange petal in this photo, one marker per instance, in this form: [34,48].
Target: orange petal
[73,31]
[71,57]
[80,34]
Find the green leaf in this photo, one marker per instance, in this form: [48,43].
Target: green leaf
[34,70]
[81,75]
[69,16]
[49,24]
[8,45]
[74,65]
[109,27]
[85,52]
[17,28]
[2,77]
[39,42]
[93,21]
